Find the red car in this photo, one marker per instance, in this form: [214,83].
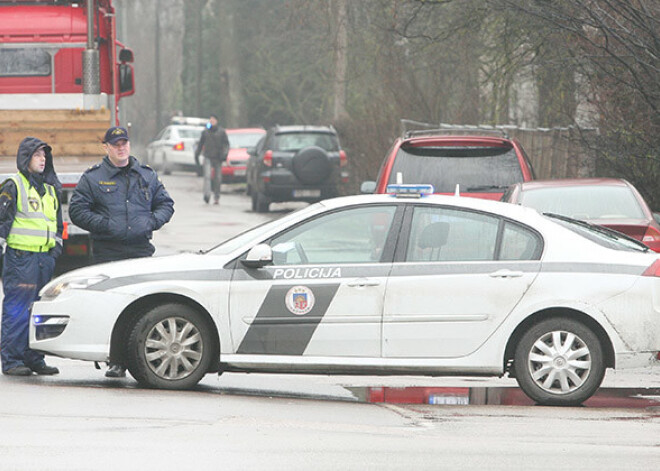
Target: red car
[609,202]
[482,166]
[240,139]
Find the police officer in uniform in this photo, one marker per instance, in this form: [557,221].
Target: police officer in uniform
[31,227]
[120,202]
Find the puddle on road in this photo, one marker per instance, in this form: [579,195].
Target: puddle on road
[627,398]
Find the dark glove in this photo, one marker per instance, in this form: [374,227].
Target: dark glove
[55,251]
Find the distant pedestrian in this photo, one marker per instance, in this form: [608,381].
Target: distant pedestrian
[31,228]
[120,202]
[214,146]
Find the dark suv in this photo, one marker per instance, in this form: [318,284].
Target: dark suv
[295,163]
[482,166]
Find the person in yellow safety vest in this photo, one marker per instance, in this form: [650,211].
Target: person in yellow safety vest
[31,230]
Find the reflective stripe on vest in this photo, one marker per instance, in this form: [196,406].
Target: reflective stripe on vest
[35,225]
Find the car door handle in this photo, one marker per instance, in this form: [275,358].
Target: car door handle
[362,282]
[505,273]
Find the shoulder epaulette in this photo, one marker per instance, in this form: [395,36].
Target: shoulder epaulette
[93,167]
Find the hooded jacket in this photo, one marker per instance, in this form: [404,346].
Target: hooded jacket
[8,190]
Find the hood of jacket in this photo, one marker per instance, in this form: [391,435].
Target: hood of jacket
[24,154]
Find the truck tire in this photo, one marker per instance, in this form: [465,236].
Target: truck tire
[311,165]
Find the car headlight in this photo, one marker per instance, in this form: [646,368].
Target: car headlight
[58,286]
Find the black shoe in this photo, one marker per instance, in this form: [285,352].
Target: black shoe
[45,370]
[18,371]
[207,198]
[115,371]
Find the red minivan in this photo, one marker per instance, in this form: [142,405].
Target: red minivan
[481,166]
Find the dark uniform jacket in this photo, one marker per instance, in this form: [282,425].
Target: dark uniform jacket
[8,190]
[121,207]
[214,144]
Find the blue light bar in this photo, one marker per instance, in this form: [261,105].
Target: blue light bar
[413,191]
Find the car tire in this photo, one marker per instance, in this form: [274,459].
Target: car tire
[311,165]
[157,358]
[166,166]
[559,362]
[260,202]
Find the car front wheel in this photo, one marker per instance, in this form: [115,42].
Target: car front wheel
[559,362]
[170,347]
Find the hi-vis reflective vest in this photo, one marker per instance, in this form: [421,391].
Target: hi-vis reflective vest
[35,225]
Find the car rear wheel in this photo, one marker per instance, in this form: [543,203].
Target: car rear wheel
[170,347]
[166,166]
[260,202]
[311,165]
[559,362]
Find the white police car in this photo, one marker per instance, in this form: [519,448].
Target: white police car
[377,284]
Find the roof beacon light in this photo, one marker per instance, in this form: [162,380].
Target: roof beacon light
[410,191]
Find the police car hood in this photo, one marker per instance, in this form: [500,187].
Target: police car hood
[143,266]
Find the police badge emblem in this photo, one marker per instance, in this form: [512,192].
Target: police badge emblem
[299,300]
[34,204]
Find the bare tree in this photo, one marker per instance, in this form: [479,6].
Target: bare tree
[615,46]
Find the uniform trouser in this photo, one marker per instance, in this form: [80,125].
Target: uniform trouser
[23,275]
[212,178]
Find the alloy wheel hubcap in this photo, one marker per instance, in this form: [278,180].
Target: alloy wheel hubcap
[173,348]
[559,362]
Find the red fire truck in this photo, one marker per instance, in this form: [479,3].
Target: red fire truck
[62,76]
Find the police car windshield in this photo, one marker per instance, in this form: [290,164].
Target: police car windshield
[194,133]
[255,234]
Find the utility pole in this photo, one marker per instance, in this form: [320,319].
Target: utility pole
[341,45]
[157,64]
[199,25]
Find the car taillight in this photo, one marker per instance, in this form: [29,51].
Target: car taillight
[652,238]
[343,160]
[268,158]
[653,270]
[178,146]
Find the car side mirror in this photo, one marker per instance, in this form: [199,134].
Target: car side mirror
[258,256]
[368,187]
[251,150]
